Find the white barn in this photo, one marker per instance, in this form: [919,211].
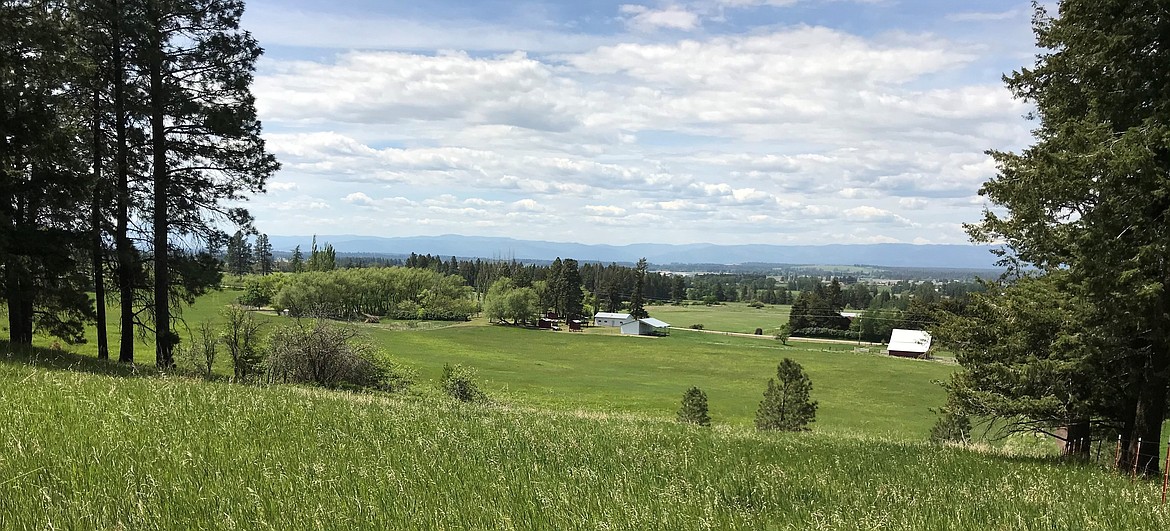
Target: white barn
[646,327]
[909,343]
[611,319]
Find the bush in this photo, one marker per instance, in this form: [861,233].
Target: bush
[786,405]
[952,426]
[241,336]
[319,352]
[829,333]
[697,326]
[459,383]
[694,408]
[201,352]
[756,304]
[783,333]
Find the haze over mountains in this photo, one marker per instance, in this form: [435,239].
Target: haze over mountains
[883,254]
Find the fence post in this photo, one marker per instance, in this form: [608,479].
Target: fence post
[1166,472]
[1137,456]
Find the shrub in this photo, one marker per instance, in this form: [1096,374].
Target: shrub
[694,408]
[756,304]
[241,337]
[952,426]
[319,352]
[201,353]
[783,333]
[459,383]
[786,405]
[697,326]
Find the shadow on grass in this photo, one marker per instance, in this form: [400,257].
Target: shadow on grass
[67,361]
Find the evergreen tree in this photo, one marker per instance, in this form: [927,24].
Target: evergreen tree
[637,299]
[786,405]
[678,289]
[694,408]
[1091,196]
[573,299]
[262,255]
[204,137]
[44,185]
[239,254]
[296,264]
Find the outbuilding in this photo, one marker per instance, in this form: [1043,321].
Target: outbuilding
[611,319]
[909,343]
[646,327]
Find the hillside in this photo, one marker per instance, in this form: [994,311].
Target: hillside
[90,451]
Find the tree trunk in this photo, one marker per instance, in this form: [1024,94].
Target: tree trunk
[20,328]
[164,339]
[99,281]
[124,247]
[1078,439]
[1145,430]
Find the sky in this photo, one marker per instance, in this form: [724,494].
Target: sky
[696,121]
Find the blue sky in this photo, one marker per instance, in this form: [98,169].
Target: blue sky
[725,121]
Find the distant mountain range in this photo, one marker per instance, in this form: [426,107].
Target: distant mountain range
[882,254]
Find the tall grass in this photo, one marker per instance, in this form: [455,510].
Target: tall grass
[86,451]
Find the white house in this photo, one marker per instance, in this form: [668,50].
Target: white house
[646,327]
[909,343]
[611,319]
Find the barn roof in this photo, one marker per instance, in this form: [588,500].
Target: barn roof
[909,341]
[610,315]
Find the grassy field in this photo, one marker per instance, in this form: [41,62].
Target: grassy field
[578,434]
[726,317]
[84,451]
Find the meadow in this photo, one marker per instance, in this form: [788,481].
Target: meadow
[578,434]
[726,317]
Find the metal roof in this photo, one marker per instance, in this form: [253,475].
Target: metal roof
[609,315]
[909,341]
[656,323]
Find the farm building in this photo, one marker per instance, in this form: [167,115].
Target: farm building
[611,319]
[646,327]
[909,343]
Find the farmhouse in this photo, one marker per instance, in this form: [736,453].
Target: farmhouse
[909,343]
[646,327]
[611,319]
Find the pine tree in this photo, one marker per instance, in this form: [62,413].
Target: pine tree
[637,299]
[204,138]
[296,264]
[1091,197]
[44,184]
[262,255]
[573,299]
[694,408]
[787,405]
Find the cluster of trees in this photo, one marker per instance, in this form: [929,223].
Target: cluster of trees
[1078,336]
[396,292]
[561,293]
[817,312]
[242,257]
[127,127]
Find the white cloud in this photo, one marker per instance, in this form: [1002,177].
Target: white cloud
[643,18]
[798,130]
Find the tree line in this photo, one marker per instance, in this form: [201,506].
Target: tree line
[128,131]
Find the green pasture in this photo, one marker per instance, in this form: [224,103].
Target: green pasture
[726,317]
[858,392]
[85,451]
